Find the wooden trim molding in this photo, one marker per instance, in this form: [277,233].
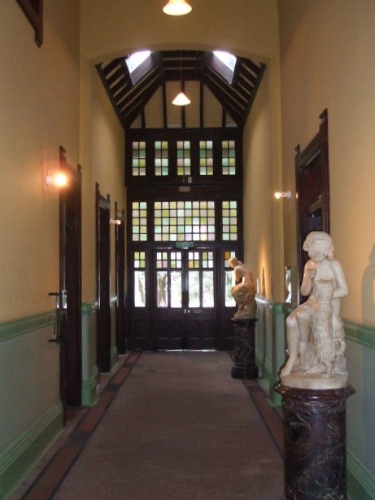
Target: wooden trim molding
[33,10]
[24,326]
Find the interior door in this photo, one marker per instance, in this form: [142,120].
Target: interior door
[120,279]
[312,186]
[103,341]
[69,297]
[185,293]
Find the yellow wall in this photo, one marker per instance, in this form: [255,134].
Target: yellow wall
[327,54]
[39,93]
[262,213]
[103,158]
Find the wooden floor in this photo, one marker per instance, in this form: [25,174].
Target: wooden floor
[167,426]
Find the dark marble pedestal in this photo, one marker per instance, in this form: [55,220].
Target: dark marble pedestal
[315,442]
[244,349]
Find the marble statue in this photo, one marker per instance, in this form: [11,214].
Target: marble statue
[244,290]
[315,332]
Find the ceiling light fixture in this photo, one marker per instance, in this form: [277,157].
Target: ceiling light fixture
[177,8]
[181,99]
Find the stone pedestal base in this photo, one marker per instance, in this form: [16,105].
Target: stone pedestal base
[244,349]
[315,442]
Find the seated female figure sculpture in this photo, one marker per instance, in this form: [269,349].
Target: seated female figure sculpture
[315,333]
[244,290]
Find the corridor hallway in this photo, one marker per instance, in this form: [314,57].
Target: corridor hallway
[168,425]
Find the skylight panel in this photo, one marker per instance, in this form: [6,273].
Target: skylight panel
[224,63]
[228,59]
[136,59]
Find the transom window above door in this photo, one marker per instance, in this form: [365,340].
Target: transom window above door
[185,221]
[163,156]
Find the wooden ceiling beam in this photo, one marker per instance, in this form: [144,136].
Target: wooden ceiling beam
[226,92]
[232,111]
[141,102]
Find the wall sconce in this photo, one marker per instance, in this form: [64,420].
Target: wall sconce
[59,180]
[283,194]
[117,222]
[177,8]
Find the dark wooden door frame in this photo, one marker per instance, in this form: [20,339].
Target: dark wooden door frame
[103,266]
[314,158]
[120,279]
[69,301]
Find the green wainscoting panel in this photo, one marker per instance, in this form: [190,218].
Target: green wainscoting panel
[27,450]
[361,486]
[90,371]
[89,386]
[114,357]
[19,327]
[362,334]
[89,307]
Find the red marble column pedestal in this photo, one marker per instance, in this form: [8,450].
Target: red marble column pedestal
[315,442]
[244,349]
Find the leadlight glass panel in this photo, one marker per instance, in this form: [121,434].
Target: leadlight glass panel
[139,158]
[161,158]
[139,261]
[201,279]
[228,157]
[183,158]
[169,279]
[194,289]
[162,279]
[162,288]
[229,280]
[206,159]
[229,221]
[208,289]
[184,221]
[139,221]
[176,289]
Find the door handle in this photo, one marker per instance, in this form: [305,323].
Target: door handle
[60,314]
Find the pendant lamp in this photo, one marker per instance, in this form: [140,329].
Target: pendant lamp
[177,8]
[181,99]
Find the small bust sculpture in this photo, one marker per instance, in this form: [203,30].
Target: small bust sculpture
[315,332]
[244,290]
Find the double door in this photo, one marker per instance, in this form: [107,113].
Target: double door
[185,315]
[181,300]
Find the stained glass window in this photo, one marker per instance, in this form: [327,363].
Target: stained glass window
[206,160]
[161,158]
[184,221]
[183,158]
[229,221]
[139,221]
[139,158]
[228,157]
